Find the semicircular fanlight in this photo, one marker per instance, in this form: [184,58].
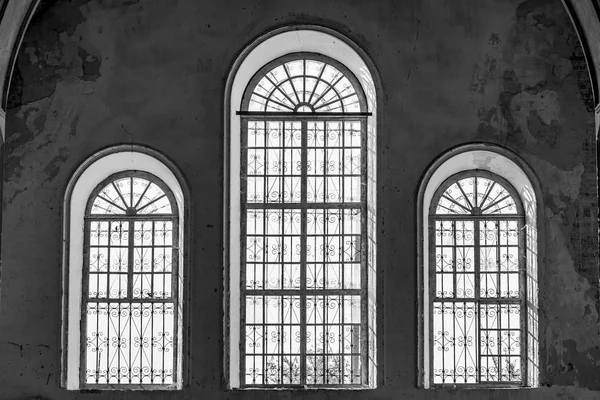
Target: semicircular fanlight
[131,195]
[304,85]
[476,195]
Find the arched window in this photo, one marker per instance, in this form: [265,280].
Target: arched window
[305,83]
[303,207]
[124,273]
[478,284]
[129,323]
[304,315]
[479,273]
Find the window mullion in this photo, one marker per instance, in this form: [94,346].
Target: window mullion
[130,256]
[152,342]
[499,294]
[108,306]
[477,259]
[455,299]
[303,240]
[454,253]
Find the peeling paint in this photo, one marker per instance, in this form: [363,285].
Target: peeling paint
[537,116]
[94,73]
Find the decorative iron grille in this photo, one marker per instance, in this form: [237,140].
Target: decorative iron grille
[307,83]
[130,310]
[478,282]
[304,304]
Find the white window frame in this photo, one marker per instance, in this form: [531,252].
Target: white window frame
[83,182]
[296,39]
[509,166]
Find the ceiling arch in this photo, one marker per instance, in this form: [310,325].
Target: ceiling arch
[15,16]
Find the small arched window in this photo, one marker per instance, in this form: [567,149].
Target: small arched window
[123,269]
[478,281]
[129,319]
[478,307]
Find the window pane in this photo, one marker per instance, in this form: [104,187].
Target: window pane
[272,339]
[454,342]
[476,194]
[304,83]
[122,195]
[129,343]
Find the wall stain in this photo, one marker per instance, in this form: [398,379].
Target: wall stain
[95,73]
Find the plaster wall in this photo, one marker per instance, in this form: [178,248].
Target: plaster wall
[91,74]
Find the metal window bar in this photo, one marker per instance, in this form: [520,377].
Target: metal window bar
[319,96]
[493,299]
[129,375]
[320,375]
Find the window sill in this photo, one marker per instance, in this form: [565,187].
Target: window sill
[127,388]
[455,388]
[302,388]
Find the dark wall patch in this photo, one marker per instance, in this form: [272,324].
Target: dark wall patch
[90,65]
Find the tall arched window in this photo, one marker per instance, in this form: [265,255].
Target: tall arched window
[304,212]
[124,272]
[301,212]
[479,271]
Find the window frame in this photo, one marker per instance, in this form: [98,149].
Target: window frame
[83,181]
[266,47]
[304,205]
[508,165]
[88,218]
[293,56]
[519,217]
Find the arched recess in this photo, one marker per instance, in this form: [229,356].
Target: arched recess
[510,167]
[271,46]
[85,180]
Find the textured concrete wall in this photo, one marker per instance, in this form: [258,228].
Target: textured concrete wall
[95,73]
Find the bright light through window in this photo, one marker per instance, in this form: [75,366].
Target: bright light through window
[304,230]
[478,298]
[130,310]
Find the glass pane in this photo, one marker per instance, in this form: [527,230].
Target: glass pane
[476,195]
[131,195]
[304,85]
[272,342]
[333,340]
[129,343]
[454,342]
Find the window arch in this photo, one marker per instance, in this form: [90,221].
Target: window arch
[302,183]
[479,259]
[124,272]
[304,82]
